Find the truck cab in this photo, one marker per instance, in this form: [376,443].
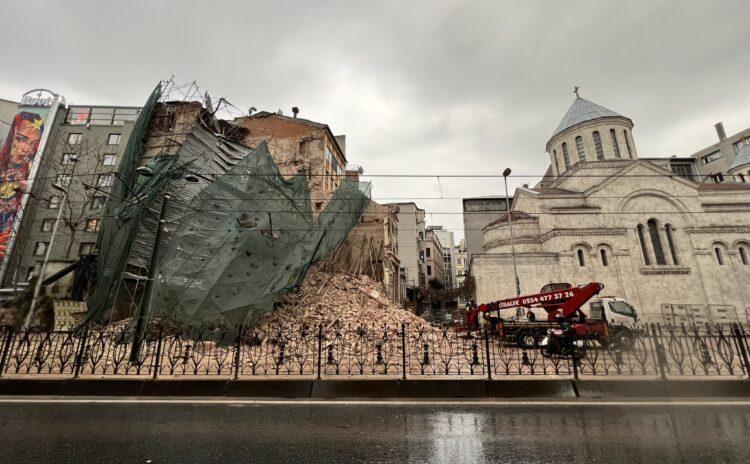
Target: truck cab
[615,311]
[618,316]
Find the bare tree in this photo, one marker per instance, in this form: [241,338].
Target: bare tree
[86,171]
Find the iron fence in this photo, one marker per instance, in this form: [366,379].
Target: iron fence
[655,351]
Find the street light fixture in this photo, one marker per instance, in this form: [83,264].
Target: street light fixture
[506,173]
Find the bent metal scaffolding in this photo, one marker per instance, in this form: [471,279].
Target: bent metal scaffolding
[234,234]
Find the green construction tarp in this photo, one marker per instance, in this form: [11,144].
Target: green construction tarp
[249,237]
[126,204]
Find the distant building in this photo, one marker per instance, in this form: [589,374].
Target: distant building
[411,230]
[714,162]
[449,248]
[7,111]
[431,262]
[462,264]
[478,212]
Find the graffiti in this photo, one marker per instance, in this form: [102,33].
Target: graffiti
[16,161]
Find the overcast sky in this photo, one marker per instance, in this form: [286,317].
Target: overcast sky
[434,87]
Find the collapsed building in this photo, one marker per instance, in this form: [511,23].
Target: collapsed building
[240,209]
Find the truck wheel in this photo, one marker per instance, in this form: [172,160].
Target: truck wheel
[526,339]
[624,339]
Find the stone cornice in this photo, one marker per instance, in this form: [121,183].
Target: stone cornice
[718,230]
[662,270]
[581,232]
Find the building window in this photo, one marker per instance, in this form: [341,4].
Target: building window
[579,147]
[627,143]
[581,258]
[113,139]
[718,177]
[63,180]
[682,169]
[653,232]
[429,270]
[48,225]
[97,201]
[92,225]
[40,248]
[104,180]
[109,159]
[711,157]
[54,202]
[69,158]
[74,138]
[719,256]
[427,252]
[86,248]
[743,255]
[566,158]
[598,146]
[642,241]
[603,253]
[669,229]
[615,146]
[421,235]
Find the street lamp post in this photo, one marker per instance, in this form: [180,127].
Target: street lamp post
[144,309]
[48,252]
[506,173]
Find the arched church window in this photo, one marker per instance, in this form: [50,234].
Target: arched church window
[719,256]
[598,146]
[653,232]
[566,158]
[627,143]
[605,261]
[642,241]
[743,255]
[557,161]
[615,146]
[579,147]
[581,258]
[669,229]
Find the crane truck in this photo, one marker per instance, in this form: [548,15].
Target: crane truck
[609,322]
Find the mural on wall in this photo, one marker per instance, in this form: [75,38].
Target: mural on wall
[17,157]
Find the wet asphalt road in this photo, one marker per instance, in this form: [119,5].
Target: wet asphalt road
[348,433]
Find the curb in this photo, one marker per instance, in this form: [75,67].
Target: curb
[388,388]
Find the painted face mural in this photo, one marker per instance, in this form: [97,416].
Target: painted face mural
[16,158]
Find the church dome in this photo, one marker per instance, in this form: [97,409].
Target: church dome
[583,110]
[590,132]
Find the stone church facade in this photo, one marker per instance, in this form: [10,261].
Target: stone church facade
[677,249]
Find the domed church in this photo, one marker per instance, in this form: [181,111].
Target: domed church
[677,249]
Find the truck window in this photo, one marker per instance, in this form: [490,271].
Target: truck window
[623,308]
[596,310]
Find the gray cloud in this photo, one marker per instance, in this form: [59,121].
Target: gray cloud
[418,87]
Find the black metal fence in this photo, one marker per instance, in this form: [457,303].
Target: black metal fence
[657,351]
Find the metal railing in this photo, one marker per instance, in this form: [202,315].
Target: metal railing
[656,351]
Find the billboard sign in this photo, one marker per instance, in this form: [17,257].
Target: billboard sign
[20,156]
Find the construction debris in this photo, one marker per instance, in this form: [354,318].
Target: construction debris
[341,298]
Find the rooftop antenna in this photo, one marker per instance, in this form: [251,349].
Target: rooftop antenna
[295,111]
[575,91]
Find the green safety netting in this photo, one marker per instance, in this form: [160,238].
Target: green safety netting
[250,236]
[130,196]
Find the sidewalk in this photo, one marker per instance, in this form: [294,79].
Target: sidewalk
[391,388]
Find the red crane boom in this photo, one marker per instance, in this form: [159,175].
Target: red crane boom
[563,301]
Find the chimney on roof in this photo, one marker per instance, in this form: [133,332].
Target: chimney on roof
[720,131]
[295,111]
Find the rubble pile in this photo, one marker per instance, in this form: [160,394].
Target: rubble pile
[340,298]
